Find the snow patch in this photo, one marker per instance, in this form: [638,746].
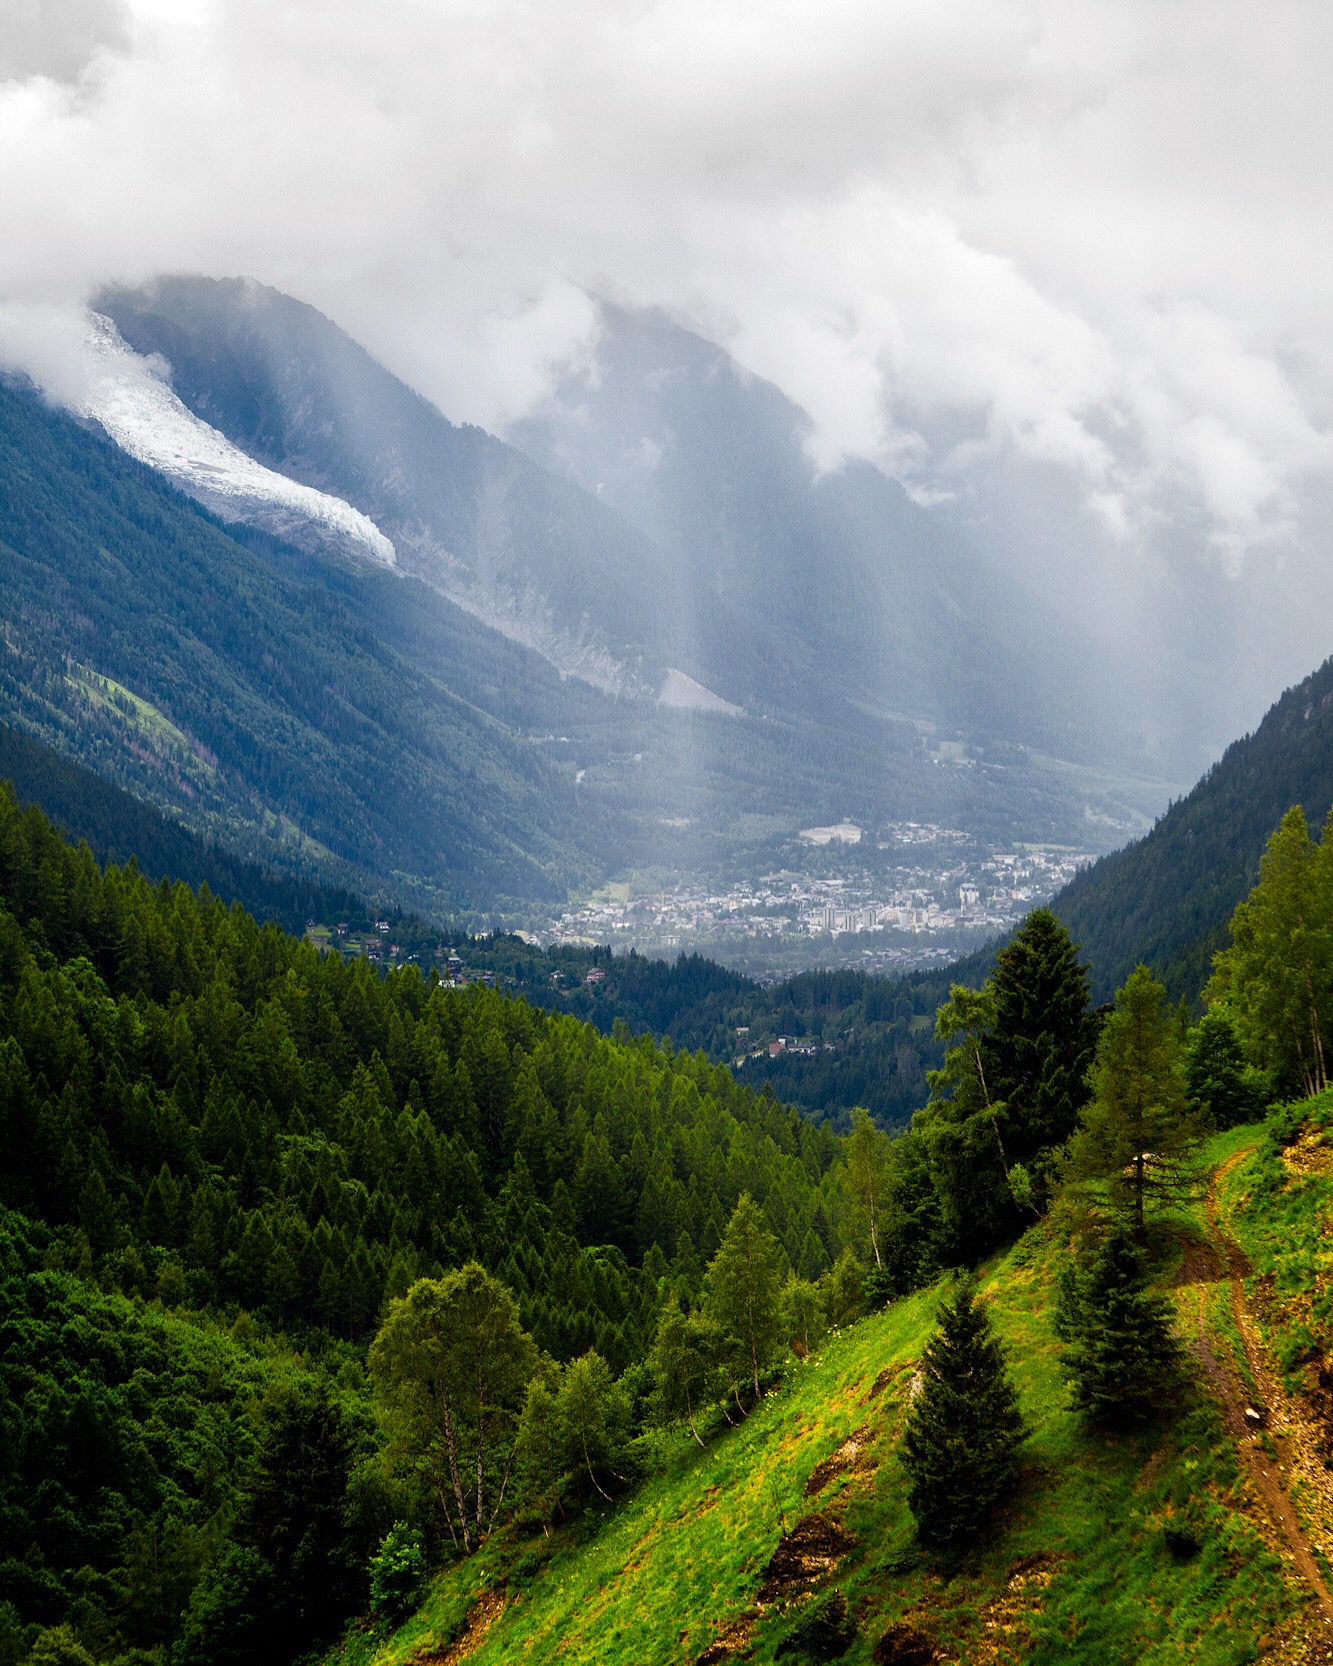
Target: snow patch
[684,694]
[128,397]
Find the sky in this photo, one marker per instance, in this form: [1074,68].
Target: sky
[1061,264]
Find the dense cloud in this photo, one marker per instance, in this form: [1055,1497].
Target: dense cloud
[968,236]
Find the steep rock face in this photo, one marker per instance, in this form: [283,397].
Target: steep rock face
[659,526]
[528,553]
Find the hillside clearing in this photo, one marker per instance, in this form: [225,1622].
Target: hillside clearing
[1115,1549]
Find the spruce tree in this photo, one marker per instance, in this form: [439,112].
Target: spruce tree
[1122,1352]
[1220,1084]
[1138,1132]
[961,1442]
[1013,1081]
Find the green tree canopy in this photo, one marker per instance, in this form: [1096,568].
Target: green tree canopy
[868,1177]
[962,1437]
[684,1362]
[1137,1133]
[744,1285]
[1011,1086]
[451,1365]
[1277,977]
[1122,1351]
[1226,1089]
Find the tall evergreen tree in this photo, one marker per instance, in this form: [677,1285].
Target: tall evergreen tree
[744,1285]
[1225,1089]
[1042,1037]
[961,1441]
[1122,1352]
[1137,1133]
[1012,1083]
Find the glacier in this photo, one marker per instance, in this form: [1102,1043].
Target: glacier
[128,397]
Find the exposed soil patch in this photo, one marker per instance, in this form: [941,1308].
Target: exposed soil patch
[812,1549]
[882,1381]
[734,1641]
[482,1615]
[904,1645]
[852,1456]
[1006,1620]
[1308,1157]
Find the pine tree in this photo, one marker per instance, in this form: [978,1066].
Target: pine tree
[1138,1132]
[1012,1084]
[961,1442]
[1215,1070]
[1122,1352]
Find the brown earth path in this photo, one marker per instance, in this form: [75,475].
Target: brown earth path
[1265,1474]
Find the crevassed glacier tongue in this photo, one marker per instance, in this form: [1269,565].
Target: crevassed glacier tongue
[145,418]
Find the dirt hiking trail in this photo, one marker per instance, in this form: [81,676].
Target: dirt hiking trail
[1287,1431]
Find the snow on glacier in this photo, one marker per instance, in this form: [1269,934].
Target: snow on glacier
[128,397]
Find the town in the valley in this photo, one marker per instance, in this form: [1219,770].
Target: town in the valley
[912,896]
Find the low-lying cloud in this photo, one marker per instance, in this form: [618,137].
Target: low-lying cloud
[1091,235]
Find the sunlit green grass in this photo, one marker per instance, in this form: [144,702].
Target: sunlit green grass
[679,1562]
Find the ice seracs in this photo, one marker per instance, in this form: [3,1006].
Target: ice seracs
[128,397]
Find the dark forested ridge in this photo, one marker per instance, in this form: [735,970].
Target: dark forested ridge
[1166,898]
[224,1152]
[860,1040]
[117,827]
[244,688]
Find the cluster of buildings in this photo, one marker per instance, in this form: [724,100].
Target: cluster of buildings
[915,880]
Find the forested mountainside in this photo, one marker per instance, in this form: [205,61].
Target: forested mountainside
[251,693]
[202,1113]
[1166,898]
[267,1215]
[118,828]
[858,1039]
[339,719]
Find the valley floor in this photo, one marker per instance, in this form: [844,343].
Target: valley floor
[1136,1549]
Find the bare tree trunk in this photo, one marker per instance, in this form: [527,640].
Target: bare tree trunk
[452,1444]
[587,1461]
[504,1483]
[481,1429]
[689,1413]
[994,1120]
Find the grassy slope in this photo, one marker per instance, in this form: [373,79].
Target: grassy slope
[678,1565]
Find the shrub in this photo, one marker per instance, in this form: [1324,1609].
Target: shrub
[398,1573]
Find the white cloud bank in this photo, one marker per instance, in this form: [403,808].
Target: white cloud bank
[1088,234]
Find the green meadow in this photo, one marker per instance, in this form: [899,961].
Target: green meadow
[1134,1549]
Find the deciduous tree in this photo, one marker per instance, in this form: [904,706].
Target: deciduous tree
[1277,976]
[451,1365]
[744,1280]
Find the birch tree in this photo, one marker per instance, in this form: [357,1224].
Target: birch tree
[450,1367]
